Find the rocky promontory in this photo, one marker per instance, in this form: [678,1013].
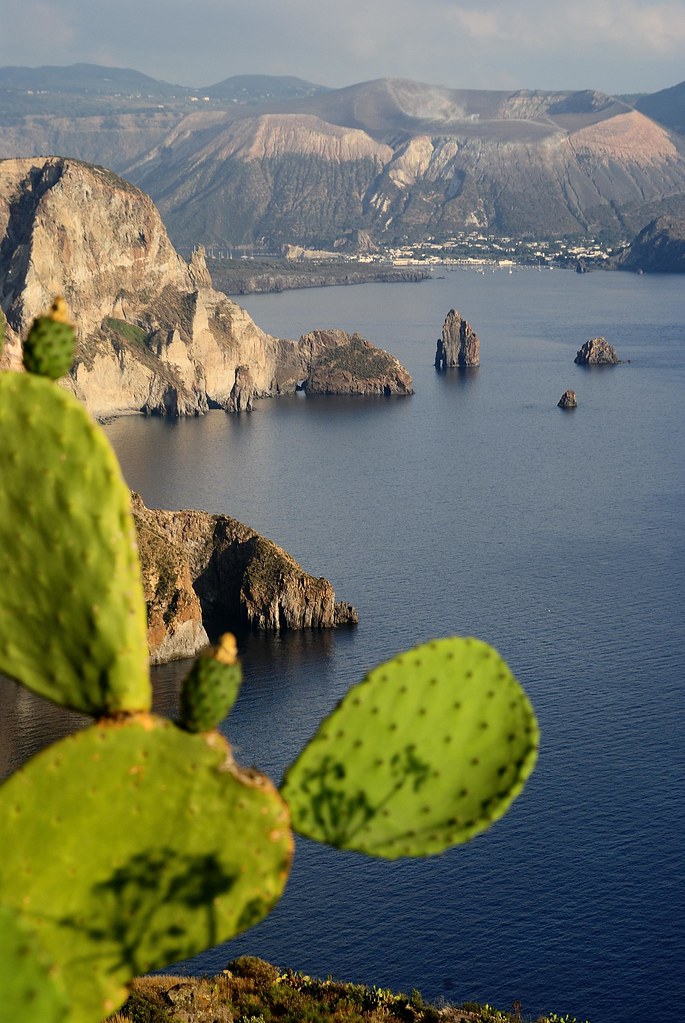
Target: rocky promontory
[597,352]
[658,248]
[459,345]
[205,573]
[344,363]
[153,335]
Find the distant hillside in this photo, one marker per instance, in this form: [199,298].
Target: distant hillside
[265,160]
[658,248]
[83,79]
[667,107]
[261,88]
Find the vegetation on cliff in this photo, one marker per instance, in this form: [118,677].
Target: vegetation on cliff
[251,990]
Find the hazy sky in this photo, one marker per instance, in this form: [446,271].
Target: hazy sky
[611,45]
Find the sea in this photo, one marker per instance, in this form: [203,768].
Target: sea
[474,507]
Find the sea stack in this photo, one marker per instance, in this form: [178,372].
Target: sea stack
[597,352]
[568,400]
[459,345]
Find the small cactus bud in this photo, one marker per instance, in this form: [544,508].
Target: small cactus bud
[210,688]
[49,347]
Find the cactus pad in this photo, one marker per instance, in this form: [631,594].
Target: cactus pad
[210,688]
[72,614]
[130,845]
[426,752]
[31,991]
[49,346]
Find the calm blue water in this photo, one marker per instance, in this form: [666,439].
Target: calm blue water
[479,507]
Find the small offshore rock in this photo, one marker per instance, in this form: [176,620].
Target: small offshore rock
[568,400]
[597,352]
[459,345]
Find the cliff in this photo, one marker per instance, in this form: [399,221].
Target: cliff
[206,573]
[153,335]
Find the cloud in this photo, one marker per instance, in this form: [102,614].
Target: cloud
[612,45]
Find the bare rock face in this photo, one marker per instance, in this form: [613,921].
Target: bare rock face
[174,612]
[242,391]
[459,345]
[153,336]
[568,400]
[597,352]
[216,573]
[341,363]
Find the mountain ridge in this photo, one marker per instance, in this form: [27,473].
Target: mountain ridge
[290,162]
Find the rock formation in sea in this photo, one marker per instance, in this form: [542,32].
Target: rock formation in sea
[153,336]
[344,363]
[205,573]
[597,352]
[459,345]
[568,399]
[242,392]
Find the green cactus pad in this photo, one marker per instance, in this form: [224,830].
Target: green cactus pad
[425,753]
[210,688]
[31,990]
[49,347]
[131,845]
[72,613]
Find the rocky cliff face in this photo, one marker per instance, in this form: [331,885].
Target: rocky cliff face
[459,345]
[153,334]
[211,572]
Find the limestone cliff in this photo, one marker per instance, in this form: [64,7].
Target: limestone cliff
[211,571]
[154,336]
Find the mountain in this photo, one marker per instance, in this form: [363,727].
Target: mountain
[267,161]
[153,336]
[82,79]
[667,107]
[405,161]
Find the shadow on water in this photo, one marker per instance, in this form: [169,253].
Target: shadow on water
[458,377]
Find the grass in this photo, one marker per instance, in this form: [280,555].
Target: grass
[251,990]
[362,361]
[128,332]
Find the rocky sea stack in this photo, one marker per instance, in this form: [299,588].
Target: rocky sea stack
[568,400]
[459,345]
[597,352]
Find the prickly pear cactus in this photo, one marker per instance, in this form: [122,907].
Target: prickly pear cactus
[211,687]
[134,844]
[28,988]
[426,752]
[49,347]
[72,614]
